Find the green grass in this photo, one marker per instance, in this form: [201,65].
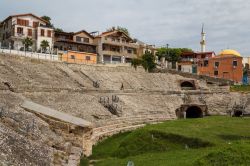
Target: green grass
[240,88]
[208,141]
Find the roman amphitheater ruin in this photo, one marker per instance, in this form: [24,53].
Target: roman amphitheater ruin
[51,113]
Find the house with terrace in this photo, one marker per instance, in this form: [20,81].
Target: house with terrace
[15,28]
[116,47]
[76,47]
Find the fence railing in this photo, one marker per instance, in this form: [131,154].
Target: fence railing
[55,57]
[35,55]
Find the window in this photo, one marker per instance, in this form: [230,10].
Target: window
[88,58]
[72,57]
[216,64]
[29,32]
[19,30]
[42,32]
[130,51]
[22,22]
[49,33]
[205,63]
[35,24]
[235,63]
[78,39]
[86,40]
[216,73]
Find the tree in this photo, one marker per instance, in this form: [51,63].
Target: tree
[122,29]
[27,42]
[44,45]
[119,28]
[48,19]
[147,61]
[172,54]
[58,30]
[136,62]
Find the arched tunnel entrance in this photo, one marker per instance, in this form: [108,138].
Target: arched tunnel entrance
[238,114]
[191,111]
[188,85]
[194,112]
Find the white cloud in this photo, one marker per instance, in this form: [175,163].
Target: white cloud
[177,22]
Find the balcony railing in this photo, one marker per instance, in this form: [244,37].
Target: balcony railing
[132,45]
[187,59]
[113,53]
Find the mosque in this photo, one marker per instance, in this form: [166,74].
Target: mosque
[227,64]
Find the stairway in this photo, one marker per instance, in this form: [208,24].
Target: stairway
[114,126]
[220,89]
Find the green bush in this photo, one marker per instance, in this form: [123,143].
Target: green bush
[240,88]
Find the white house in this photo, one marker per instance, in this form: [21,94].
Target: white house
[15,28]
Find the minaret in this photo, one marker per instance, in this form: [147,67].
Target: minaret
[203,40]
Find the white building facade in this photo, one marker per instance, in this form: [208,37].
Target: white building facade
[14,29]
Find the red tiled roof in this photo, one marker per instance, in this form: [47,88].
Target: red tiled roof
[26,14]
[83,31]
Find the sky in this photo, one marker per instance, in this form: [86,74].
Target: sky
[158,22]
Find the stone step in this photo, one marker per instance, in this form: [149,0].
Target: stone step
[100,135]
[106,123]
[131,118]
[124,123]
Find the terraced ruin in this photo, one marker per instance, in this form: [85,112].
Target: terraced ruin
[54,112]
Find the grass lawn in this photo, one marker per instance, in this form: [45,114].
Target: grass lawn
[240,88]
[215,141]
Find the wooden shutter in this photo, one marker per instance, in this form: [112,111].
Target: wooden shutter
[29,32]
[42,32]
[49,33]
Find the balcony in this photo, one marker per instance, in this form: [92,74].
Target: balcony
[19,36]
[113,53]
[188,60]
[117,43]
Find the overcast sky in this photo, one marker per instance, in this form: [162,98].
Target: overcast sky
[176,22]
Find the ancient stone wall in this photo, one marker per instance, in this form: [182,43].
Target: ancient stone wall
[88,92]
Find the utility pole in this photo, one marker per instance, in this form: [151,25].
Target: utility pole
[167,50]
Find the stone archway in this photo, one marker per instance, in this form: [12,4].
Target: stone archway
[238,113]
[194,112]
[187,85]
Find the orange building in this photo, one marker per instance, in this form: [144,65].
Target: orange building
[189,60]
[227,65]
[79,57]
[76,47]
